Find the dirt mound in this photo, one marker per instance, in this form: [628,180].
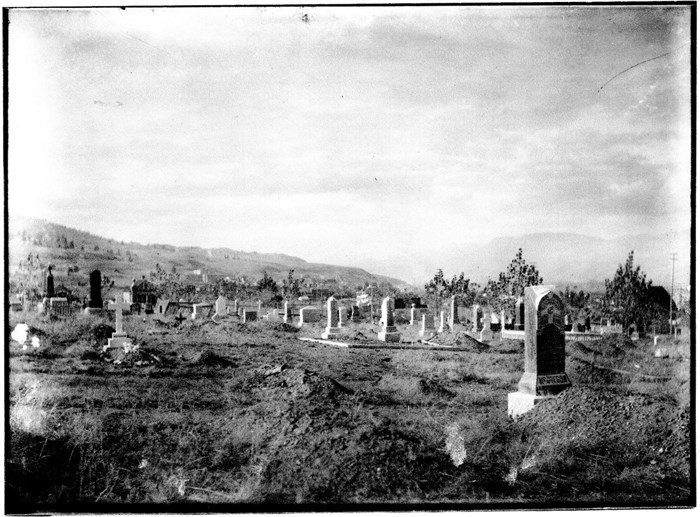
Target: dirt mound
[409,387]
[508,346]
[282,327]
[301,383]
[652,430]
[209,358]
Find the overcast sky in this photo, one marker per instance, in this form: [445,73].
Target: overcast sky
[344,135]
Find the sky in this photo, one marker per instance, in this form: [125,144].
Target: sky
[351,135]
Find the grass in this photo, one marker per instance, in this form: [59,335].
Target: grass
[236,414]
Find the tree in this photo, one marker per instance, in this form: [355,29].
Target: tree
[267,283]
[291,287]
[627,295]
[504,292]
[436,291]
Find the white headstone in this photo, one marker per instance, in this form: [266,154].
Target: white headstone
[118,336]
[221,306]
[388,332]
[332,328]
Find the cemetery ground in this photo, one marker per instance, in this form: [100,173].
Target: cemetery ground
[247,414]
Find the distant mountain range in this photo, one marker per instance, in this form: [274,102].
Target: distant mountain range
[66,247]
[562,259]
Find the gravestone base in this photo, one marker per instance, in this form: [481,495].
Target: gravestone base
[520,403]
[331,332]
[543,385]
[94,310]
[389,335]
[117,341]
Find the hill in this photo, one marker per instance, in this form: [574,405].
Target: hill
[562,258]
[121,261]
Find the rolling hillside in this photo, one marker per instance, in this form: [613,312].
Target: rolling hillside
[66,248]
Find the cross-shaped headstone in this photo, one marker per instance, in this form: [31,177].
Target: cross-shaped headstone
[180,318]
[118,307]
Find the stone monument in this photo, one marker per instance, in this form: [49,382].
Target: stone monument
[519,314]
[220,305]
[453,322]
[427,330]
[388,332]
[545,374]
[332,327]
[286,317]
[95,300]
[119,337]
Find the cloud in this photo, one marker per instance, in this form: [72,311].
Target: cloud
[475,121]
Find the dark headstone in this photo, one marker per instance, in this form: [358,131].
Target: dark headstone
[49,292]
[544,343]
[95,290]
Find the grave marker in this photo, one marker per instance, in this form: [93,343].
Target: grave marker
[332,327]
[427,330]
[309,314]
[519,314]
[220,306]
[95,300]
[545,374]
[249,315]
[413,314]
[388,332]
[59,306]
[119,337]
[454,315]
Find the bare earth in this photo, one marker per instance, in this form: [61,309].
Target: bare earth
[234,415]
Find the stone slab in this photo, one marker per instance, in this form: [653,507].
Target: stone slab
[520,403]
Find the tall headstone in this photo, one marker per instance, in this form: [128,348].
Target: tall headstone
[388,332]
[260,304]
[413,314]
[476,318]
[286,317]
[95,301]
[118,336]
[519,314]
[454,315]
[332,328]
[427,330]
[235,306]
[355,314]
[49,291]
[442,322]
[545,373]
[503,320]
